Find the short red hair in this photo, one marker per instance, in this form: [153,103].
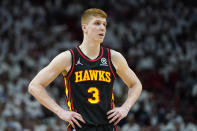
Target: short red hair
[92,12]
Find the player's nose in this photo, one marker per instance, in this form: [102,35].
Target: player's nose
[102,27]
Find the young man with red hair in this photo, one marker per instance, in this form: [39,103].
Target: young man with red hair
[89,71]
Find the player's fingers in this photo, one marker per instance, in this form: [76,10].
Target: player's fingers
[76,122]
[80,118]
[72,124]
[112,115]
[117,121]
[111,111]
[77,114]
[113,119]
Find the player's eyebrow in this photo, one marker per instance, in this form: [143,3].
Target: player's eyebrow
[101,21]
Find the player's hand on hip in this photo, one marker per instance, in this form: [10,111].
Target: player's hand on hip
[117,114]
[71,117]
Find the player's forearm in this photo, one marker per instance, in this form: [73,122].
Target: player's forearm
[133,94]
[40,93]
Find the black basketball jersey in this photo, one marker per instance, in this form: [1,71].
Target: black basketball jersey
[89,86]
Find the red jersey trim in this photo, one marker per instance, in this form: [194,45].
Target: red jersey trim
[85,57]
[68,81]
[110,64]
[116,127]
[73,63]
[69,127]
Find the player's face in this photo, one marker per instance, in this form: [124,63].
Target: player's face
[96,29]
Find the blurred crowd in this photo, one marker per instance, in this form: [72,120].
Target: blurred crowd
[157,37]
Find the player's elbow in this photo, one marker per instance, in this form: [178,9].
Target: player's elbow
[138,85]
[32,88]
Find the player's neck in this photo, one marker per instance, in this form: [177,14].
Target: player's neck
[90,49]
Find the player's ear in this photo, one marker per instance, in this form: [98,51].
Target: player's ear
[83,26]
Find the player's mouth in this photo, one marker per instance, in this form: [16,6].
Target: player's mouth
[101,34]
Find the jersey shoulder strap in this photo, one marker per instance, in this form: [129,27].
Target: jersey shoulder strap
[112,68]
[72,51]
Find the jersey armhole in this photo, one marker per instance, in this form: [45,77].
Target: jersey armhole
[72,64]
[112,68]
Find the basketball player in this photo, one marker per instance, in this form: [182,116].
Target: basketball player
[89,71]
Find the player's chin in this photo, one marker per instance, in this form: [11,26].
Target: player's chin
[100,40]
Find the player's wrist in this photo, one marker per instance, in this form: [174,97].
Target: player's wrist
[126,108]
[59,111]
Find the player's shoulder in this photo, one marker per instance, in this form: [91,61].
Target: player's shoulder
[64,54]
[116,58]
[115,54]
[63,60]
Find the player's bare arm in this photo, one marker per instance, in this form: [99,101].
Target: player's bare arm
[60,64]
[133,83]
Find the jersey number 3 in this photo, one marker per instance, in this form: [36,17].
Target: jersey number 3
[95,95]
